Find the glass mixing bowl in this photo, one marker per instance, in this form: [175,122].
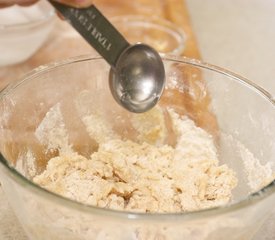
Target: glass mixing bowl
[238,114]
[161,34]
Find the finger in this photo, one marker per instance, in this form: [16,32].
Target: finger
[77,3]
[27,3]
[8,3]
[3,5]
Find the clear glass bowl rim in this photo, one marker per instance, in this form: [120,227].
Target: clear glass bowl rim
[48,16]
[158,23]
[251,199]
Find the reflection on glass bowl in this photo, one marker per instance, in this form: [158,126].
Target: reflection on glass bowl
[161,34]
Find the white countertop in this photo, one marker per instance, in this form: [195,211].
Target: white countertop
[240,36]
[237,35]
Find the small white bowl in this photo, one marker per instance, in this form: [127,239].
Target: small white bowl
[23,30]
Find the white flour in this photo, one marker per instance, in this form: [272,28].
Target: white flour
[147,176]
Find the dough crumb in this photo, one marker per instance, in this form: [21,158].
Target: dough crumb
[148,175]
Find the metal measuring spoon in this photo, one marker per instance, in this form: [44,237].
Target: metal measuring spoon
[137,76]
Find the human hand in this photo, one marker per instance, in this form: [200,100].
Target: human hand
[7,3]
[74,3]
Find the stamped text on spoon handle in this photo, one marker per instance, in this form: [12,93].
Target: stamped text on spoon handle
[96,30]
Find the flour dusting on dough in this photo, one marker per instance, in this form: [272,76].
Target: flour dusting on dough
[143,176]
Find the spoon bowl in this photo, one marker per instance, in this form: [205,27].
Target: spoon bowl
[138,79]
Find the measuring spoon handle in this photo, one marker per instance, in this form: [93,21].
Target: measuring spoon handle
[95,29]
